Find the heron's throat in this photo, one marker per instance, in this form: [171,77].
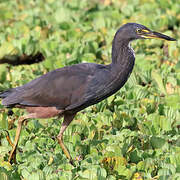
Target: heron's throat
[122,52]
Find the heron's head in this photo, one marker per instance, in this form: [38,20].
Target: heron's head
[132,31]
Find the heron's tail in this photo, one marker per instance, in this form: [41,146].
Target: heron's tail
[4,94]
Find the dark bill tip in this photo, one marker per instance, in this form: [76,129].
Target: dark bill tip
[162,36]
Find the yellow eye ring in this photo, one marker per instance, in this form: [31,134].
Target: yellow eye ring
[139,31]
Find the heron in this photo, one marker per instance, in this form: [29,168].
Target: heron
[68,90]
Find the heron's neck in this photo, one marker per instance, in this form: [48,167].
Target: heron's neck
[121,52]
[122,60]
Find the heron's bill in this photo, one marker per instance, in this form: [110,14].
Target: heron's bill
[157,35]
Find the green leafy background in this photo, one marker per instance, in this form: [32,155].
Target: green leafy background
[134,134]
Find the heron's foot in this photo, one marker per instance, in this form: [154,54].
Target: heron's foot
[66,152]
[12,156]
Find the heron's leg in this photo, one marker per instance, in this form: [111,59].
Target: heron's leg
[18,131]
[67,120]
[8,138]
[10,142]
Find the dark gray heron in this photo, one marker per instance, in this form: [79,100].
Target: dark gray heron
[68,90]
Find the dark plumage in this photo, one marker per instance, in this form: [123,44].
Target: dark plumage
[68,90]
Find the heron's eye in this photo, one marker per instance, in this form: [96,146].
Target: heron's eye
[139,31]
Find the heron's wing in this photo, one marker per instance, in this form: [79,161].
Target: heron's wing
[59,88]
[98,87]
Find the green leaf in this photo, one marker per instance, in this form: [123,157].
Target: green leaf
[173,101]
[157,77]
[157,142]
[4,121]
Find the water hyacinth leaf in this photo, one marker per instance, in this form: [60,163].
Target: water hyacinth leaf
[25,173]
[178,66]
[165,123]
[4,121]
[94,173]
[6,49]
[141,165]
[173,101]
[64,25]
[132,81]
[124,172]
[6,165]
[3,71]
[4,175]
[140,92]
[134,157]
[90,36]
[62,15]
[157,77]
[157,142]
[99,22]
[111,177]
[89,57]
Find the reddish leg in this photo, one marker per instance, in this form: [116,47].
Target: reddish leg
[18,131]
